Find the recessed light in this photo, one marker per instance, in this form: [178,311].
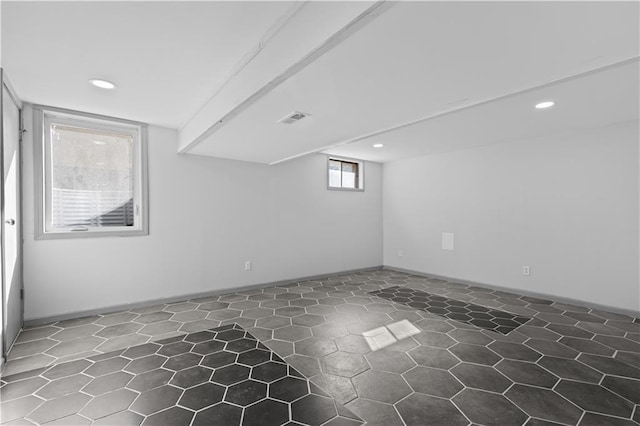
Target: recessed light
[103,84]
[378,145]
[545,104]
[99,142]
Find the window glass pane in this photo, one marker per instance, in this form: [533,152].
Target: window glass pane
[349,171]
[91,177]
[334,174]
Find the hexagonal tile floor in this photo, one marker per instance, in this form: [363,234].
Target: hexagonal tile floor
[564,365]
[469,313]
[219,376]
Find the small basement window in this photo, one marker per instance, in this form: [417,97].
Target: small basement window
[91,175]
[347,174]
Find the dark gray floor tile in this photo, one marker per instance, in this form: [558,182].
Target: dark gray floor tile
[107,366]
[475,354]
[420,410]
[488,408]
[177,348]
[390,361]
[434,357]
[470,336]
[268,411]
[77,321]
[118,318]
[107,383]
[31,348]
[247,392]
[544,404]
[619,343]
[514,351]
[539,422]
[570,330]
[315,346]
[191,377]
[75,332]
[73,420]
[381,386]
[313,410]
[340,388]
[550,348]
[587,346]
[157,399]
[152,317]
[60,407]
[597,328]
[27,335]
[309,366]
[584,317]
[202,396]
[175,363]
[627,388]
[119,330]
[18,408]
[109,403]
[141,350]
[375,413]
[288,389]
[10,377]
[570,369]
[481,377]
[434,382]
[594,398]
[630,358]
[610,366]
[526,373]
[353,344]
[123,418]
[63,386]
[220,414]
[230,374]
[21,388]
[75,346]
[66,369]
[434,339]
[344,364]
[151,379]
[593,419]
[172,416]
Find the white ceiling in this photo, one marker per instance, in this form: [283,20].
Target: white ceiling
[590,101]
[409,62]
[423,58]
[167,58]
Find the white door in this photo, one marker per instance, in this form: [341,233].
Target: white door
[11,226]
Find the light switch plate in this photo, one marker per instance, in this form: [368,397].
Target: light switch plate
[447,241]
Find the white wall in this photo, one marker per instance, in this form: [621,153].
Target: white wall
[207,216]
[566,205]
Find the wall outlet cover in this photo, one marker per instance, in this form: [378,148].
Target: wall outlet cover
[447,241]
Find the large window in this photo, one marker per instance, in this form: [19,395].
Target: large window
[345,174]
[92,175]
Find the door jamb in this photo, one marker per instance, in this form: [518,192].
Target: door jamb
[5,83]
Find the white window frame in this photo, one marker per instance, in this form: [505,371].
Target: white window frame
[360,164]
[43,117]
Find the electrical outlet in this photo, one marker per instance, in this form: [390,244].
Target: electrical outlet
[526,270]
[247,265]
[400,253]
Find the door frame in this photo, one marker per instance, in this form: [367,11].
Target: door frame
[6,345]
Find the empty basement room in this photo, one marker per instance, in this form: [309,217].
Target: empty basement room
[320,213]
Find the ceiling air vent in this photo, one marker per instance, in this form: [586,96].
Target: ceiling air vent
[293,117]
